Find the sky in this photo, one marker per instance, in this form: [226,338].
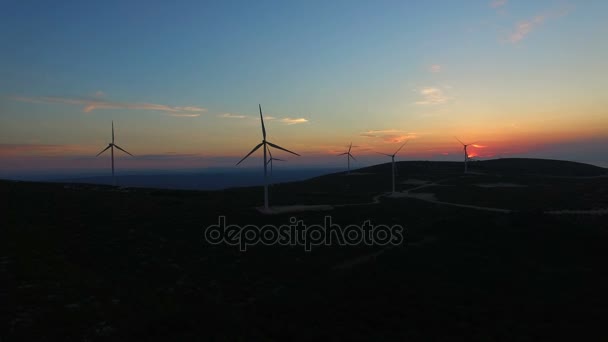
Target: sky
[182,81]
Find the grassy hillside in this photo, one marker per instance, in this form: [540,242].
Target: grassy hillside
[84,262]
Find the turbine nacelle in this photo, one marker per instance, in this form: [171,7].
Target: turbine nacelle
[394,154]
[348,156]
[466,154]
[266,144]
[393,162]
[111,147]
[350,147]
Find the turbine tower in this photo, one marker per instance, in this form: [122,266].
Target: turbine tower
[111,147]
[265,144]
[466,154]
[348,156]
[393,162]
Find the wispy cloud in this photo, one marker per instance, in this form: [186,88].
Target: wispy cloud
[432,96]
[232,116]
[524,28]
[498,3]
[99,93]
[378,132]
[184,115]
[293,121]
[389,135]
[435,68]
[90,105]
[286,121]
[7,150]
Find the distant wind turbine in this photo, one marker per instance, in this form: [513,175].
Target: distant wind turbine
[466,154]
[265,144]
[271,159]
[393,162]
[348,156]
[111,147]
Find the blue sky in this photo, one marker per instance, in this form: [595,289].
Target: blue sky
[185,77]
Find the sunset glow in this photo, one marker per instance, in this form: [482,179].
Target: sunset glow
[519,78]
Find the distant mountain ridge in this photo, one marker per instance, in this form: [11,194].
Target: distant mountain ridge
[224,179]
[527,166]
[200,181]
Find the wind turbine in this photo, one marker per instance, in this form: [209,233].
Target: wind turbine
[348,156]
[466,154]
[265,144]
[111,147]
[393,162]
[271,159]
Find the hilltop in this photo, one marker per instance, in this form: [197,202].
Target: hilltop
[96,262]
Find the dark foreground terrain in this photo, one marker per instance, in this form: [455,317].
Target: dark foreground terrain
[88,262]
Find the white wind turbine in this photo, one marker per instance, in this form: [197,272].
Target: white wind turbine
[265,144]
[393,162]
[348,156]
[111,147]
[466,154]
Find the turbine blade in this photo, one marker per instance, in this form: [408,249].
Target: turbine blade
[248,154]
[459,141]
[118,147]
[341,154]
[352,156]
[350,146]
[384,154]
[105,149]
[277,159]
[269,153]
[112,131]
[262,120]
[280,148]
[401,147]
